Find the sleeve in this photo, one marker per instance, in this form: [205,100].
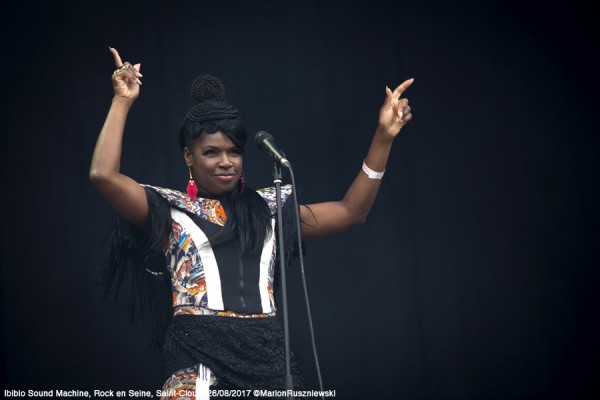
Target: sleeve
[136,273]
[290,231]
[290,235]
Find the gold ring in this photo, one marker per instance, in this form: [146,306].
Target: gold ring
[123,67]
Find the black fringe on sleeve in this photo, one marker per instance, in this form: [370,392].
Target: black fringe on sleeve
[290,233]
[136,274]
[290,238]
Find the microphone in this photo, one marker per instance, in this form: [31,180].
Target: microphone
[264,141]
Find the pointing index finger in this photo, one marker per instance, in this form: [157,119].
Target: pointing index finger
[116,56]
[403,86]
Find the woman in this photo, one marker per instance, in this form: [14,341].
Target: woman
[212,304]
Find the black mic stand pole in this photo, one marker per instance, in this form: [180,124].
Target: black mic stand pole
[286,330]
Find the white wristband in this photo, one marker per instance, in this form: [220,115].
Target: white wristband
[372,174]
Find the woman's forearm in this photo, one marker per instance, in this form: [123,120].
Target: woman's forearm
[362,193]
[106,160]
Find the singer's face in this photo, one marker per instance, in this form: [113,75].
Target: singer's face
[216,163]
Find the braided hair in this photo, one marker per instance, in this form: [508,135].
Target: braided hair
[248,216]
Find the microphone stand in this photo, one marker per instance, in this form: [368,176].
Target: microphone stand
[289,385]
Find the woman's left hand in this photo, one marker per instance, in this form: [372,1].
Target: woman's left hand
[395,112]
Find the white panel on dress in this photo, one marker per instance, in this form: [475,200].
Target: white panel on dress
[265,263]
[207,256]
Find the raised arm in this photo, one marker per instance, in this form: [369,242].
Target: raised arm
[324,219]
[124,194]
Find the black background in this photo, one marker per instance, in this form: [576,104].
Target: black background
[475,275]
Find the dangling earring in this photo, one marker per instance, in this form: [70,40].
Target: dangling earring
[242,186]
[192,189]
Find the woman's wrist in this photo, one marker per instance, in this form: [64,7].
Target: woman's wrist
[122,101]
[383,135]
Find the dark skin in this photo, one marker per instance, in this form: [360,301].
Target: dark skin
[217,164]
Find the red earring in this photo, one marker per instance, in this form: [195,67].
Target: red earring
[192,189]
[242,186]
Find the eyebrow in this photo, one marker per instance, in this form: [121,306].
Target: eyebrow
[213,147]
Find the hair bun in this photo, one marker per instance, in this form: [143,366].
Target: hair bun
[207,87]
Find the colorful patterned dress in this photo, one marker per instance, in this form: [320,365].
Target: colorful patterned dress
[212,309]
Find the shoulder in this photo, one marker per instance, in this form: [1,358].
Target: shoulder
[207,209]
[175,198]
[270,196]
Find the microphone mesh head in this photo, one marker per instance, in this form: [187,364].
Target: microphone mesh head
[260,137]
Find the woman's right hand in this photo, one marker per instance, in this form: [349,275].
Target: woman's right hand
[125,80]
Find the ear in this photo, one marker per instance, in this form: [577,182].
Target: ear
[187,155]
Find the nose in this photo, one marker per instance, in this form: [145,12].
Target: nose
[225,161]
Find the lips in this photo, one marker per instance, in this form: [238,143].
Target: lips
[225,177]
